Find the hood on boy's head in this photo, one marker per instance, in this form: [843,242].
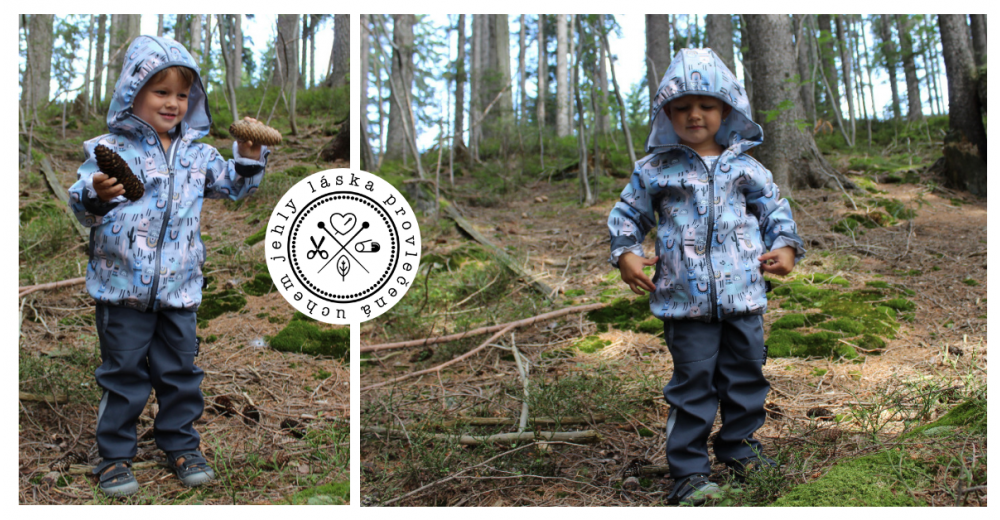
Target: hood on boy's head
[702,72]
[146,56]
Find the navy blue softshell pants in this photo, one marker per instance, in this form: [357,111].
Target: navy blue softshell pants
[716,366]
[141,351]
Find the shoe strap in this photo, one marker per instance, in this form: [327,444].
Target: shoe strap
[122,468]
[191,459]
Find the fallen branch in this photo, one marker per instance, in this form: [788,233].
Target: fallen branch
[28,289]
[581,437]
[60,192]
[482,330]
[445,364]
[497,252]
[42,398]
[500,421]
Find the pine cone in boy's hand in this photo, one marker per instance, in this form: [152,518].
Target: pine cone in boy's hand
[257,132]
[112,165]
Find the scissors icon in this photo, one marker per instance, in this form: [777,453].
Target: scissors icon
[322,254]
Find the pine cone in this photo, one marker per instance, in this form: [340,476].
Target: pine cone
[259,133]
[112,165]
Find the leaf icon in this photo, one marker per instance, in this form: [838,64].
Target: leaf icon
[343,266]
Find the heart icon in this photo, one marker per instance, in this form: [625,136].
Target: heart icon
[343,224]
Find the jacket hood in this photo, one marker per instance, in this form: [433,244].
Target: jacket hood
[702,72]
[146,56]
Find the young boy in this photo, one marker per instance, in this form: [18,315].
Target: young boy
[146,256]
[721,223]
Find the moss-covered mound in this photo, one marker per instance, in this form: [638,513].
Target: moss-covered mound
[890,213]
[970,414]
[214,305]
[260,285]
[876,480]
[623,313]
[591,344]
[338,493]
[307,338]
[847,321]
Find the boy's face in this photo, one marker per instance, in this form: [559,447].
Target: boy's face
[696,119]
[164,103]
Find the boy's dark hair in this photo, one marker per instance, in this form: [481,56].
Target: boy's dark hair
[186,75]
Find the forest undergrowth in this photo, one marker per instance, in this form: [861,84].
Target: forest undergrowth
[878,341]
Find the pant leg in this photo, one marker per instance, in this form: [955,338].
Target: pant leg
[742,388]
[125,335]
[691,394]
[177,381]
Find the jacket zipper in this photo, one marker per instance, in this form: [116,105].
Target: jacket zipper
[171,154]
[713,306]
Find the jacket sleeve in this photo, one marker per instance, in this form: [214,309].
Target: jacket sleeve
[83,200]
[235,178]
[777,226]
[632,217]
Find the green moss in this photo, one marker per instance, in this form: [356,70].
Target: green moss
[970,414]
[646,432]
[256,237]
[970,282]
[819,372]
[573,293]
[901,304]
[846,325]
[591,344]
[877,480]
[650,326]
[621,313]
[849,226]
[260,285]
[307,338]
[214,305]
[338,493]
[789,343]
[895,208]
[878,284]
[297,171]
[870,342]
[789,321]
[823,278]
[212,338]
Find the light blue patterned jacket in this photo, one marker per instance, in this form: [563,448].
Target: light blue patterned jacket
[711,225]
[148,254]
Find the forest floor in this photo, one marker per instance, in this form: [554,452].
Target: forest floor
[847,430]
[275,425]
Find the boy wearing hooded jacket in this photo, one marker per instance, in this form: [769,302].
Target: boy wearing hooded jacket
[146,256]
[721,224]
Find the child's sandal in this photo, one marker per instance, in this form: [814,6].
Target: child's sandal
[191,467]
[116,478]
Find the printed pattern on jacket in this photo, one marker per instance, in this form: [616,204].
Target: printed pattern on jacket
[712,225]
[148,254]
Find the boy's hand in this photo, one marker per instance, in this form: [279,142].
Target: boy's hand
[249,149]
[631,266]
[782,261]
[106,187]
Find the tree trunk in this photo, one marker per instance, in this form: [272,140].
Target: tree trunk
[859,83]
[621,102]
[827,53]
[935,66]
[86,73]
[302,62]
[180,22]
[196,38]
[367,157]
[581,138]
[495,83]
[459,139]
[341,54]
[102,21]
[868,68]
[401,78]
[207,52]
[747,60]
[562,78]
[965,146]
[543,73]
[787,149]
[719,33]
[313,22]
[904,25]
[803,46]
[521,48]
[847,67]
[124,27]
[287,51]
[227,59]
[888,46]
[39,58]
[657,51]
[159,24]
[978,38]
[569,59]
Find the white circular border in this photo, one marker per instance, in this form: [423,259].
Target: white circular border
[279,229]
